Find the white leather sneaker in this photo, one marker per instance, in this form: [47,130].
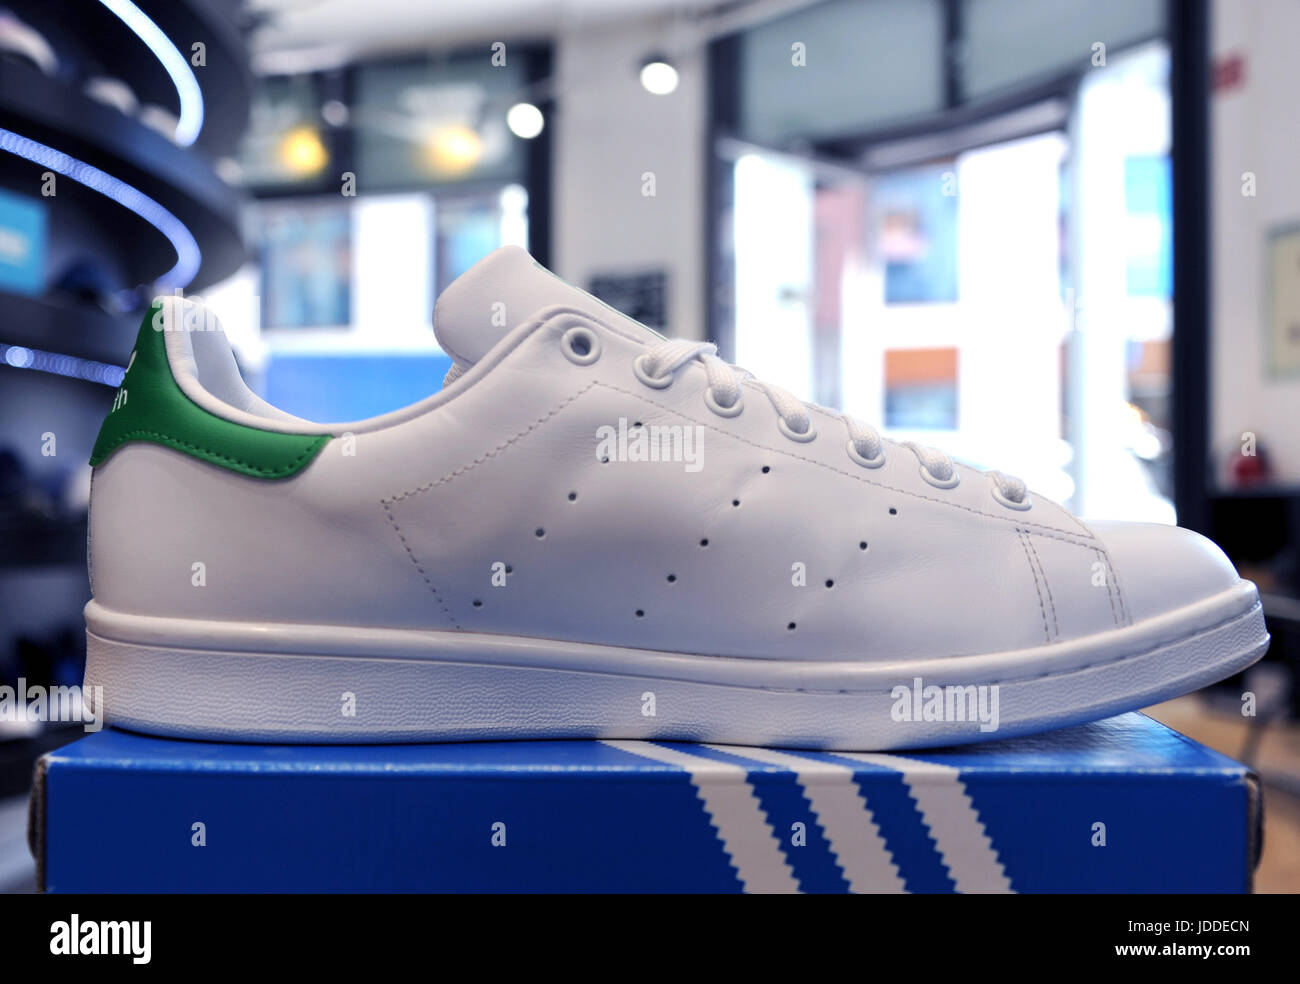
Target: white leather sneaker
[595,532]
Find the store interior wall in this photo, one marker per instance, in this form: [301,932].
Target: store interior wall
[1254,132]
[611,134]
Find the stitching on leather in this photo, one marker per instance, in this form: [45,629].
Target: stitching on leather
[1024,545]
[386,504]
[1096,546]
[1125,617]
[1064,539]
[1110,594]
[1110,584]
[1047,584]
[457,472]
[179,445]
[392,520]
[1074,520]
[1083,526]
[821,464]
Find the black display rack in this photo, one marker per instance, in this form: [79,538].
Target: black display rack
[91,93]
[139,205]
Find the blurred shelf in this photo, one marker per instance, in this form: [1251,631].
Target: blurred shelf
[225,79]
[55,114]
[27,541]
[1266,491]
[18,755]
[93,41]
[66,328]
[1280,606]
[17,867]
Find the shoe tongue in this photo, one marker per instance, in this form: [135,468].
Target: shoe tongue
[501,292]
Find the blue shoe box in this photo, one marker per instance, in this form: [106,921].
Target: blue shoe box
[1123,805]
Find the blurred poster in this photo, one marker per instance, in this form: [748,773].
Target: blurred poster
[469,227]
[306,267]
[921,389]
[642,297]
[1284,301]
[22,244]
[1148,207]
[918,234]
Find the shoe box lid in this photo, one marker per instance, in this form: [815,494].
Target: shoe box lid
[1121,805]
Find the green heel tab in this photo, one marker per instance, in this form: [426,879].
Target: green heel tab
[150,406]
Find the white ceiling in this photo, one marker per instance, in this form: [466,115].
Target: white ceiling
[327,31]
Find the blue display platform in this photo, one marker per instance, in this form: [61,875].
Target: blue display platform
[1124,805]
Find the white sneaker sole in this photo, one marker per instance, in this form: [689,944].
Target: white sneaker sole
[308,683]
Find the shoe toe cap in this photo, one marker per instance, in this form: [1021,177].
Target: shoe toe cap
[1162,568]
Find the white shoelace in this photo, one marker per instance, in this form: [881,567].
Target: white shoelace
[725,381]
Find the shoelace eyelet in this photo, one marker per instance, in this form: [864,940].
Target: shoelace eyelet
[1020,506]
[654,382]
[712,403]
[674,354]
[941,483]
[875,462]
[580,345]
[794,435]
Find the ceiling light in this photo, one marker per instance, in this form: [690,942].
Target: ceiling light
[302,152]
[454,150]
[525,120]
[334,112]
[658,77]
